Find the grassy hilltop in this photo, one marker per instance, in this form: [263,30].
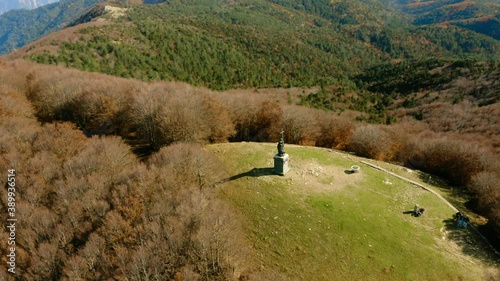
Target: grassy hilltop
[320,223]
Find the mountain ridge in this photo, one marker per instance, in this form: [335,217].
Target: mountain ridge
[350,15]
[20,27]
[291,47]
[478,16]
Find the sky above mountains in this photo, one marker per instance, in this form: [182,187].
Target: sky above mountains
[6,5]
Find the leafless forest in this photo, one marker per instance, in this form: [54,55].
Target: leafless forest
[94,203]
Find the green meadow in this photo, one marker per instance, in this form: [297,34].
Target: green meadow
[318,222]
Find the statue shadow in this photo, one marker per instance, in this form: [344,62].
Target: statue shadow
[409,213]
[255,172]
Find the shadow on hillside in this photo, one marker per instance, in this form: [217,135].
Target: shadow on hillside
[139,147]
[469,241]
[255,172]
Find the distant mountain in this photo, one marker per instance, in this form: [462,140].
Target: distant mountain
[19,27]
[479,16]
[7,5]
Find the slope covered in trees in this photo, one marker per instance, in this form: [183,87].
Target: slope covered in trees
[150,116]
[89,210]
[256,43]
[479,16]
[97,209]
[359,58]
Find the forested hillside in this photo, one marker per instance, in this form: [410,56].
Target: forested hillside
[89,209]
[254,44]
[71,135]
[20,27]
[479,16]
[358,19]
[409,86]
[107,119]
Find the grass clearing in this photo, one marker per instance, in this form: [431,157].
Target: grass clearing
[320,223]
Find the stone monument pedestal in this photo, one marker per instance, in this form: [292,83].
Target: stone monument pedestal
[281,164]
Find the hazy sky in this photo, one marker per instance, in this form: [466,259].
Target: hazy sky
[6,5]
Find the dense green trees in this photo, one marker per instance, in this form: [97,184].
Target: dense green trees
[479,16]
[257,44]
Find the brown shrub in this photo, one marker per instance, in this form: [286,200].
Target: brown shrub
[96,113]
[76,269]
[223,239]
[162,118]
[255,119]
[406,138]
[180,119]
[190,164]
[52,100]
[117,231]
[95,103]
[335,132]
[60,139]
[487,192]
[44,263]
[109,158]
[13,102]
[269,121]
[16,137]
[145,117]
[217,118]
[454,160]
[300,125]
[371,141]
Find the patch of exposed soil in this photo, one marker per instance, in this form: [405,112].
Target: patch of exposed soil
[310,177]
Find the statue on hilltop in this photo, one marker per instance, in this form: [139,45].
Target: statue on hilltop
[281,159]
[281,145]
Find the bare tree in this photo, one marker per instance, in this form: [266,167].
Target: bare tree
[218,119]
[300,126]
[372,142]
[335,132]
[485,186]
[44,264]
[145,116]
